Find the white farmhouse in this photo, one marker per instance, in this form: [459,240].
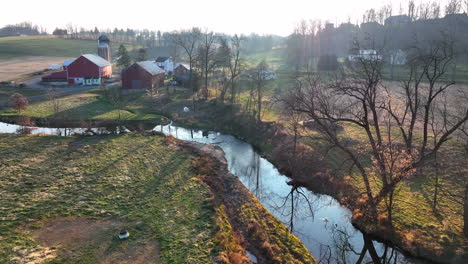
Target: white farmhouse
[370,55]
[165,63]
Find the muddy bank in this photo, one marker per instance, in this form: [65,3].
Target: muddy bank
[258,231]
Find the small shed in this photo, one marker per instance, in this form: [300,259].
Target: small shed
[142,75]
[58,76]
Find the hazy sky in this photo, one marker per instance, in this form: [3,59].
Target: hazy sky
[234,16]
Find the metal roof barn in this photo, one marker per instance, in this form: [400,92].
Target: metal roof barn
[142,75]
[89,66]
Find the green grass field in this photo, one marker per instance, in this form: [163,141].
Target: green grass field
[14,47]
[6,92]
[275,58]
[92,105]
[134,179]
[65,199]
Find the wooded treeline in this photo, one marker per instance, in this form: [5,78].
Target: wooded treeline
[391,30]
[22,29]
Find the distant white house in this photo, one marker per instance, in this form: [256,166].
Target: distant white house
[165,63]
[55,67]
[370,55]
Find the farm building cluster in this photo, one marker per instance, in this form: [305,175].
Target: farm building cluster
[93,69]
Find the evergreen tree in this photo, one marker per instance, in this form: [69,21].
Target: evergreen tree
[123,57]
[141,55]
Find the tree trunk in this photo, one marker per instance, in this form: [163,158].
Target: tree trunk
[370,247]
[390,207]
[291,225]
[259,103]
[436,183]
[465,212]
[233,91]
[362,255]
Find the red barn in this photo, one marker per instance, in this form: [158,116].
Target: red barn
[181,68]
[142,75]
[88,69]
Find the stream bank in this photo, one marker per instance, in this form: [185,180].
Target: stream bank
[258,230]
[270,140]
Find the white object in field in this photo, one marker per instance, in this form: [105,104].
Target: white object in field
[54,67]
[251,257]
[186,109]
[124,234]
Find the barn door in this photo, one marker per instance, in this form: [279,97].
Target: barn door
[136,84]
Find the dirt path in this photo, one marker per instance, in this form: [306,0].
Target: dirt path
[11,68]
[71,237]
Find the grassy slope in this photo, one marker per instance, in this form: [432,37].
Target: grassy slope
[132,177]
[416,224]
[14,47]
[274,58]
[92,105]
[6,92]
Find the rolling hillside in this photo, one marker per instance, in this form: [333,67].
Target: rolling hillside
[14,47]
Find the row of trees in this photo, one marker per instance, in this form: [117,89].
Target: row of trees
[218,60]
[146,38]
[24,28]
[315,38]
[206,52]
[156,39]
[415,11]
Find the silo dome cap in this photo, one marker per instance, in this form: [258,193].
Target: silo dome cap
[103,38]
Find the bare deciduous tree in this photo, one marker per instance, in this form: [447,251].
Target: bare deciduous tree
[395,120]
[19,102]
[259,81]
[188,41]
[54,101]
[453,7]
[207,57]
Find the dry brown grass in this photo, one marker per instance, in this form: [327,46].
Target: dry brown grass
[12,68]
[70,234]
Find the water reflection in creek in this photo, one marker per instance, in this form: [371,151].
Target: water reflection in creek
[318,220]
[17,129]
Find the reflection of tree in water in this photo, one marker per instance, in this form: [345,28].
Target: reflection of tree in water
[342,251]
[297,204]
[251,172]
[300,205]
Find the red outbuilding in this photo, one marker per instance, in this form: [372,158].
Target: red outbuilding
[142,75]
[181,68]
[58,76]
[88,69]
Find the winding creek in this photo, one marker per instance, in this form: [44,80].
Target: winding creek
[318,220]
